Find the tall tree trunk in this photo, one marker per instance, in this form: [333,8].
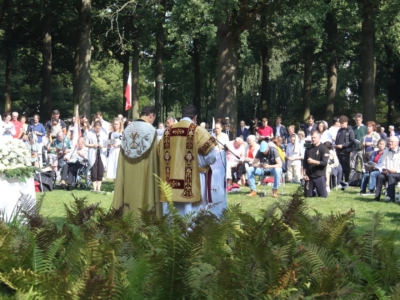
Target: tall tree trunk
[331,28]
[265,92]
[9,61]
[125,75]
[308,61]
[197,78]
[47,67]
[368,62]
[135,79]
[7,94]
[393,91]
[160,37]
[228,44]
[85,52]
[75,88]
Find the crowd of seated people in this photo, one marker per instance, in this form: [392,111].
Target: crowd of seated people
[55,145]
[344,143]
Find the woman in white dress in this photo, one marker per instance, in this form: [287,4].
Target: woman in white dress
[8,129]
[114,138]
[95,141]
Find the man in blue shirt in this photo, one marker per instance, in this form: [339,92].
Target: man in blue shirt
[39,130]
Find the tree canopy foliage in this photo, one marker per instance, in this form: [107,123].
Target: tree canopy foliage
[231,58]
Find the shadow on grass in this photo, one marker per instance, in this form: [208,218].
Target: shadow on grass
[367,199]
[395,216]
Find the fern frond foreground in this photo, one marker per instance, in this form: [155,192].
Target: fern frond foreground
[285,254]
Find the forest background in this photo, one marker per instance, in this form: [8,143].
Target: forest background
[235,58]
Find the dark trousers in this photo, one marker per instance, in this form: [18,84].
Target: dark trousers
[97,172]
[344,159]
[241,169]
[69,170]
[391,179]
[319,184]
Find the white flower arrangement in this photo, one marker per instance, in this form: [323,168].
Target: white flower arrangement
[15,159]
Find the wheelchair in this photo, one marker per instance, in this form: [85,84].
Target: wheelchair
[81,179]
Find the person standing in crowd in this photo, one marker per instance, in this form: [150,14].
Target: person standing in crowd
[381,131]
[267,160]
[360,131]
[138,157]
[301,135]
[31,144]
[333,167]
[104,124]
[228,132]
[265,132]
[96,141]
[391,130]
[280,130]
[370,141]
[221,137]
[344,145]
[186,153]
[55,125]
[242,131]
[325,134]
[38,129]
[291,131]
[310,127]
[256,125]
[333,130]
[8,130]
[19,132]
[23,124]
[70,131]
[314,164]
[294,156]
[114,139]
[85,125]
[390,171]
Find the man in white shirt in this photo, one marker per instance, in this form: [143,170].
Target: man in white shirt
[221,137]
[333,130]
[390,171]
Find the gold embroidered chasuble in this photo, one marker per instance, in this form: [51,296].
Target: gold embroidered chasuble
[135,183]
[178,151]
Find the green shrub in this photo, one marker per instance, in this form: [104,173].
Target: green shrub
[285,254]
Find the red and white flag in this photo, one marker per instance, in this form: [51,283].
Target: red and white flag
[128,93]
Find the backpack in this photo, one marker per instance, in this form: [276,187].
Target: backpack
[356,174]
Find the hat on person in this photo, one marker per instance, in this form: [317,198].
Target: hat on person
[263,146]
[226,118]
[391,127]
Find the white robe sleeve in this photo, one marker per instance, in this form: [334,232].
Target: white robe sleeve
[208,159]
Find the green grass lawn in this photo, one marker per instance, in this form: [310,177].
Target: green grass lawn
[337,202]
